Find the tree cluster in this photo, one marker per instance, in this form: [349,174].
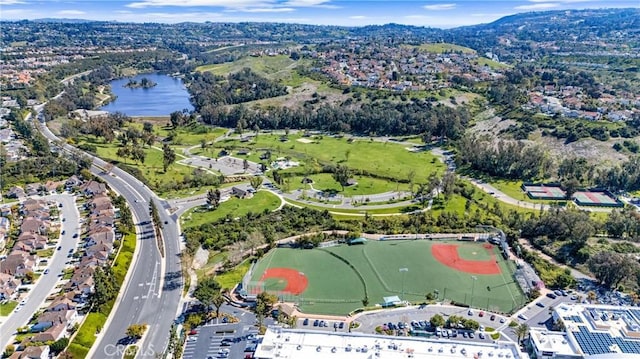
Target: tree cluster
[502,158]
[208,91]
[379,118]
[105,288]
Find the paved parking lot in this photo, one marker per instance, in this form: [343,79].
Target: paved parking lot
[208,341]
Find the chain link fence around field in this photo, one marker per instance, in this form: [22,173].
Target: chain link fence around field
[480,301]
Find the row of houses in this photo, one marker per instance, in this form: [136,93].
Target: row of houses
[37,223]
[96,245]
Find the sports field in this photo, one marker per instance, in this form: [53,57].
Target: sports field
[334,280]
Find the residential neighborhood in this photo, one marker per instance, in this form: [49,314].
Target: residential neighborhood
[37,220]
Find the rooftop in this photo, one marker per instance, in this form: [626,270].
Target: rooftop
[556,342]
[308,344]
[601,329]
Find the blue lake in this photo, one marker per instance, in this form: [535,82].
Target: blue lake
[167,96]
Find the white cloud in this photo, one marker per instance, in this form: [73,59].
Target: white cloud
[70,12]
[440,7]
[207,3]
[269,9]
[561,1]
[10,2]
[538,6]
[357,17]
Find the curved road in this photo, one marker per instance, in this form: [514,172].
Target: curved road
[153,286]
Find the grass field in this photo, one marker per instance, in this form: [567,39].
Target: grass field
[366,185]
[337,276]
[383,159]
[236,207]
[439,48]
[7,307]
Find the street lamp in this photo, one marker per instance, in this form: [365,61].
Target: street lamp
[403,270]
[473,287]
[437,294]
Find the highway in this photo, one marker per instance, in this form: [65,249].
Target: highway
[152,293]
[46,283]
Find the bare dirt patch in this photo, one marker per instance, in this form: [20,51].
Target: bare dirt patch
[200,258]
[600,153]
[304,140]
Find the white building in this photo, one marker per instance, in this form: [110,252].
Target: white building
[591,331]
[308,344]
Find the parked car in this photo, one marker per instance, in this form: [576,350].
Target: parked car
[540,304]
[305,321]
[493,317]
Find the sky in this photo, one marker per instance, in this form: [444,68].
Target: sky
[432,13]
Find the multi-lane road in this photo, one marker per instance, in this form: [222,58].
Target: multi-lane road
[57,263]
[153,290]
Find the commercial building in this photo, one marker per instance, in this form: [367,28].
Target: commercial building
[591,331]
[308,344]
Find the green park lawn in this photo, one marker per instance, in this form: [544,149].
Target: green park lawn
[261,201]
[151,169]
[365,185]
[229,279]
[387,159]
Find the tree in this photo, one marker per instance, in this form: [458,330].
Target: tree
[138,154]
[136,330]
[611,268]
[342,175]
[437,321]
[206,290]
[570,187]
[213,198]
[218,300]
[168,157]
[255,182]
[264,305]
[123,152]
[59,345]
[104,288]
[521,331]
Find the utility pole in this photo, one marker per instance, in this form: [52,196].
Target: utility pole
[403,271]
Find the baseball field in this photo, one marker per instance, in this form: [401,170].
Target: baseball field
[335,280]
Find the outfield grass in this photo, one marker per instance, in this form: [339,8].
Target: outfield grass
[261,201]
[337,286]
[382,159]
[7,307]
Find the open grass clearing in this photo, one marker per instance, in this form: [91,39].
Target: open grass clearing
[387,159]
[229,279]
[235,207]
[365,186]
